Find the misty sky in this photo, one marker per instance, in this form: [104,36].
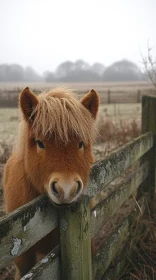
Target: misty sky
[43,33]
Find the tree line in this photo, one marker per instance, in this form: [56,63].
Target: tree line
[78,71]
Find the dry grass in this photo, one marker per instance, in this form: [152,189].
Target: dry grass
[142,264]
[114,134]
[118,132]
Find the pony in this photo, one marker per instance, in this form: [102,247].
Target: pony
[53,155]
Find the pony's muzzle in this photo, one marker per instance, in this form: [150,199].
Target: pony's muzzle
[65,189]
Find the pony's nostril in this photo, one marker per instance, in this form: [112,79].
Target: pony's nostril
[54,189]
[79,187]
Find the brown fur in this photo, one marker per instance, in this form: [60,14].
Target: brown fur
[61,122]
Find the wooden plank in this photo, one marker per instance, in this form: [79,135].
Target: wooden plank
[126,253]
[105,171]
[108,228]
[125,256]
[48,268]
[113,244]
[107,253]
[110,205]
[76,241]
[24,227]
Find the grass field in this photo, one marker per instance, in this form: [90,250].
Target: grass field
[125,86]
[9,117]
[121,110]
[8,124]
[118,124]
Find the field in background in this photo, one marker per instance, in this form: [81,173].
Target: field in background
[78,86]
[109,92]
[8,124]
[118,123]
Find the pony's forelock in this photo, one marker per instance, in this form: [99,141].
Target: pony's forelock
[61,115]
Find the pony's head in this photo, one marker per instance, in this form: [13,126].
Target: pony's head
[58,131]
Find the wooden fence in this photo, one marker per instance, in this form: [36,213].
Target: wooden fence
[9,98]
[95,233]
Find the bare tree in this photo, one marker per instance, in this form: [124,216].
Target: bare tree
[150,66]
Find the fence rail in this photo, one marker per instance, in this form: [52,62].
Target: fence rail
[105,171]
[48,268]
[9,98]
[18,230]
[114,241]
[114,200]
[88,241]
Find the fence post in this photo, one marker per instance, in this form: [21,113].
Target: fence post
[109,97]
[138,96]
[75,238]
[149,124]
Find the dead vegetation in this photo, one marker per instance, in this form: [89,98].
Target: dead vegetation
[142,262]
[118,132]
[114,133]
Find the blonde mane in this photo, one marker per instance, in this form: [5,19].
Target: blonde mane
[61,115]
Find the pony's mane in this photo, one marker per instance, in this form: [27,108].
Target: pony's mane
[60,114]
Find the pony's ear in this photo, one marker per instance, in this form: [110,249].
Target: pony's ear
[91,102]
[27,102]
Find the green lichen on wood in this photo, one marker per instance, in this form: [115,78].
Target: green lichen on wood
[111,204]
[106,254]
[112,246]
[41,206]
[126,253]
[22,225]
[105,171]
[24,213]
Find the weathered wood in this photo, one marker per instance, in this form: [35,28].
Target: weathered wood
[113,244]
[104,171]
[128,249]
[149,124]
[76,241]
[48,268]
[119,264]
[110,205]
[108,227]
[126,255]
[24,227]
[107,253]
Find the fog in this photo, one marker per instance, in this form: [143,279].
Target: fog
[45,33]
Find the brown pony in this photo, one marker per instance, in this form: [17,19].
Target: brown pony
[53,155]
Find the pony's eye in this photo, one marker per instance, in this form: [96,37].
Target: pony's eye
[81,145]
[40,144]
